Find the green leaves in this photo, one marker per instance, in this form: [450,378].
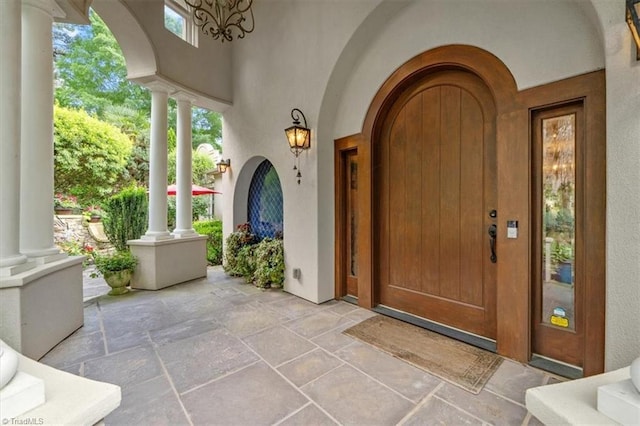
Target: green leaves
[119,261]
[89,155]
[125,217]
[261,263]
[213,230]
[269,256]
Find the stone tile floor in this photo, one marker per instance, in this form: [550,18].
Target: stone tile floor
[219,351]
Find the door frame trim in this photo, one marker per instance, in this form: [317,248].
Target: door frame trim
[590,90]
[513,148]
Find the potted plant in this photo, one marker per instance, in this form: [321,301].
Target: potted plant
[93,214]
[562,255]
[64,204]
[116,269]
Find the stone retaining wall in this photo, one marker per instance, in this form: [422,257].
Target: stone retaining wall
[76,229]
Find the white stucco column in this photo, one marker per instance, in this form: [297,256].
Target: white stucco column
[10,44]
[184,205]
[158,166]
[36,165]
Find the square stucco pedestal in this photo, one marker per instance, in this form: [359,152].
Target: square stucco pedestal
[168,262]
[42,306]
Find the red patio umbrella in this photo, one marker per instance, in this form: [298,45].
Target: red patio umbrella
[195,190]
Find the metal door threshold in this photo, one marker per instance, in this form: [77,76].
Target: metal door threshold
[556,367]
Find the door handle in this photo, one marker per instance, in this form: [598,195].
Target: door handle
[493,233]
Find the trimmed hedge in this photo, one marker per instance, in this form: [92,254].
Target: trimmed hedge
[213,231]
[126,216]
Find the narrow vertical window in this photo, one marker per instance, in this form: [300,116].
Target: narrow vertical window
[558,219]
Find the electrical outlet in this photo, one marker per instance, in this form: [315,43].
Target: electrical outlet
[297,273]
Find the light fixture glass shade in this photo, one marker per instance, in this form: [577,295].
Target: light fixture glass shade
[299,138]
[223,165]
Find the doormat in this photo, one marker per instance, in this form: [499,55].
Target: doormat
[458,363]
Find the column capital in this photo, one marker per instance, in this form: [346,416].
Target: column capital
[49,6]
[159,86]
[182,96]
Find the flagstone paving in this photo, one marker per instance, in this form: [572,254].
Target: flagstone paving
[218,351]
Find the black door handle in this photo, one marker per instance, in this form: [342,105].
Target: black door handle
[493,233]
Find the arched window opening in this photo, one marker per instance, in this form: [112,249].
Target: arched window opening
[265,202]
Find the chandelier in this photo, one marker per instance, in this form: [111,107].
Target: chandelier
[223,19]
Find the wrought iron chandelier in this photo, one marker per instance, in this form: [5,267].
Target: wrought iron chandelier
[223,19]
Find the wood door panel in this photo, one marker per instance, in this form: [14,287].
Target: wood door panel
[472,210]
[450,192]
[463,316]
[413,203]
[431,197]
[397,220]
[430,190]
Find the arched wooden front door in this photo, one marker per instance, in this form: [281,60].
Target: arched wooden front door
[434,194]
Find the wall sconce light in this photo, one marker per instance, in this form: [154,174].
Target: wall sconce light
[633,19]
[299,138]
[223,165]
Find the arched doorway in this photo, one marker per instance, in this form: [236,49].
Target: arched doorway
[435,186]
[447,233]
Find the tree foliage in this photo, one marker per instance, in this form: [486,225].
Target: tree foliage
[91,76]
[91,72]
[201,163]
[90,156]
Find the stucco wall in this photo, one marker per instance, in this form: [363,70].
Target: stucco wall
[623,188]
[287,67]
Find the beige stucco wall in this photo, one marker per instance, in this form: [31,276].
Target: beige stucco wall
[623,188]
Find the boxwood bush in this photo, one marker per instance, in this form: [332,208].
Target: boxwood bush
[212,229]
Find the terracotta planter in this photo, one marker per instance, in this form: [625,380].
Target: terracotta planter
[62,211]
[118,281]
[95,218]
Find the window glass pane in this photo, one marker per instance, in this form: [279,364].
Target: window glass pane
[265,202]
[558,220]
[174,22]
[353,213]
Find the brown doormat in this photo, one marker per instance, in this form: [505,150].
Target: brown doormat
[456,362]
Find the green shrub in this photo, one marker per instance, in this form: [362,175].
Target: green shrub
[247,262]
[125,216]
[199,207]
[269,259]
[213,231]
[90,155]
[561,252]
[235,242]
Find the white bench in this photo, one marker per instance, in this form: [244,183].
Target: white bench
[573,402]
[69,399]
